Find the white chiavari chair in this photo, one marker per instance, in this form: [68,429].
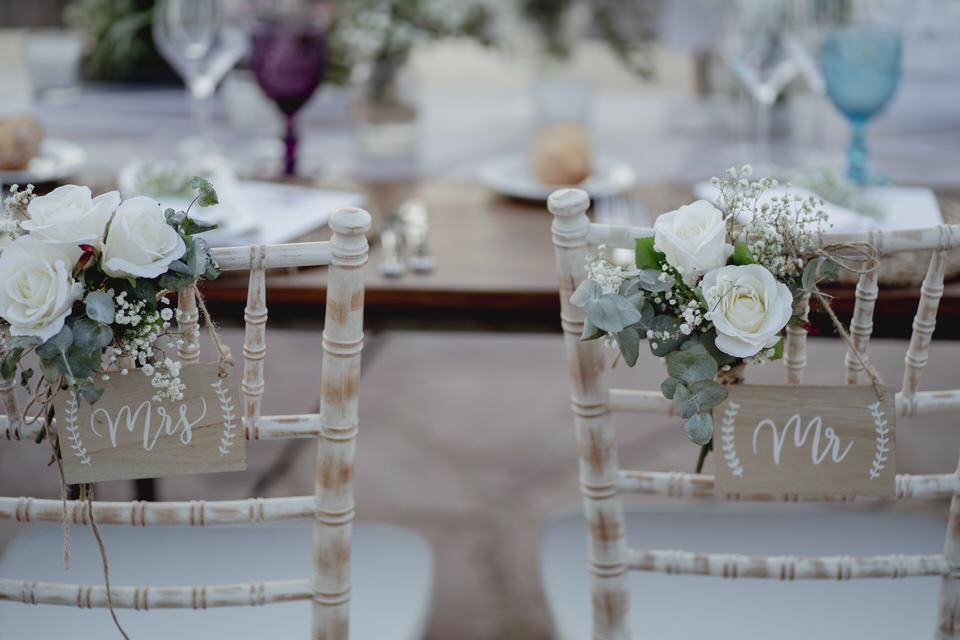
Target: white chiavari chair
[627,588]
[265,558]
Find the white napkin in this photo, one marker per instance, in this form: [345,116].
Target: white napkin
[840,218]
[250,211]
[903,207]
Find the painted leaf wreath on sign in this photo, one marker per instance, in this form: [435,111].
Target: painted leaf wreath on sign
[85,291]
[712,290]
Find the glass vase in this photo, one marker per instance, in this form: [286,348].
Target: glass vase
[385,110]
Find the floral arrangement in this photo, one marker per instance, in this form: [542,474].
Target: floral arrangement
[376,37]
[627,28]
[712,290]
[85,283]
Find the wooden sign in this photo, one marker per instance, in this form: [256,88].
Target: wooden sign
[126,434]
[805,440]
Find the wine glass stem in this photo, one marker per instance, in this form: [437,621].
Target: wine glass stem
[857,152]
[290,146]
[201,117]
[764,154]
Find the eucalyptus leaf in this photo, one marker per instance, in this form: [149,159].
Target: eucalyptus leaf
[196,258]
[208,195]
[17,345]
[709,341]
[174,218]
[691,366]
[586,292]
[171,281]
[23,341]
[89,390]
[629,342]
[192,226]
[829,269]
[808,281]
[51,372]
[647,256]
[8,366]
[80,362]
[612,313]
[630,287]
[669,324]
[669,386]
[146,289]
[699,428]
[91,335]
[650,279]
[590,332]
[683,402]
[100,307]
[179,266]
[707,393]
[213,269]
[56,345]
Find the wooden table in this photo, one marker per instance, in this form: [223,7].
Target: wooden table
[495,269]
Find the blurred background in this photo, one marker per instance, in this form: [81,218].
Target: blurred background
[451,122]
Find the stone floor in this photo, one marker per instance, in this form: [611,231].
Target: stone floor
[467,438]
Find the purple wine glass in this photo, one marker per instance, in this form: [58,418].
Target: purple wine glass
[288,60]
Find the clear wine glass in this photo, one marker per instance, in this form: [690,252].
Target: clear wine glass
[288,59]
[198,40]
[755,50]
[861,68]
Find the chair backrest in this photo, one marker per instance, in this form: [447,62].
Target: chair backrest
[331,507]
[602,481]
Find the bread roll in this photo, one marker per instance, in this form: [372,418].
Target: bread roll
[561,154]
[20,138]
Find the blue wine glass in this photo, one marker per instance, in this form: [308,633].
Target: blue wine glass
[861,69]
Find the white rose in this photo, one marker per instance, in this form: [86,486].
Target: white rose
[140,243]
[37,289]
[693,238]
[69,214]
[747,306]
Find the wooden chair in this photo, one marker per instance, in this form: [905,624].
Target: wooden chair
[661,607]
[392,571]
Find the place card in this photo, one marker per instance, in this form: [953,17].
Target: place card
[126,434]
[805,440]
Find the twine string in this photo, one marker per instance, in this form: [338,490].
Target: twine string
[223,352]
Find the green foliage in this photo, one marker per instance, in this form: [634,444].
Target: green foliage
[653,280]
[699,428]
[612,313]
[91,335]
[89,390]
[742,255]
[629,342]
[647,256]
[591,332]
[669,386]
[17,346]
[207,196]
[669,324]
[586,292]
[100,307]
[709,341]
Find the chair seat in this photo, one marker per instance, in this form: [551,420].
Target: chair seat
[392,580]
[669,607]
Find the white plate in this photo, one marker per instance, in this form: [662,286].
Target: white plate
[511,175]
[57,160]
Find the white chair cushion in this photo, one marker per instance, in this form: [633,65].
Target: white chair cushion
[392,580]
[669,607]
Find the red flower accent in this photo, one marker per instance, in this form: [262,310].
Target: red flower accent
[89,252]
